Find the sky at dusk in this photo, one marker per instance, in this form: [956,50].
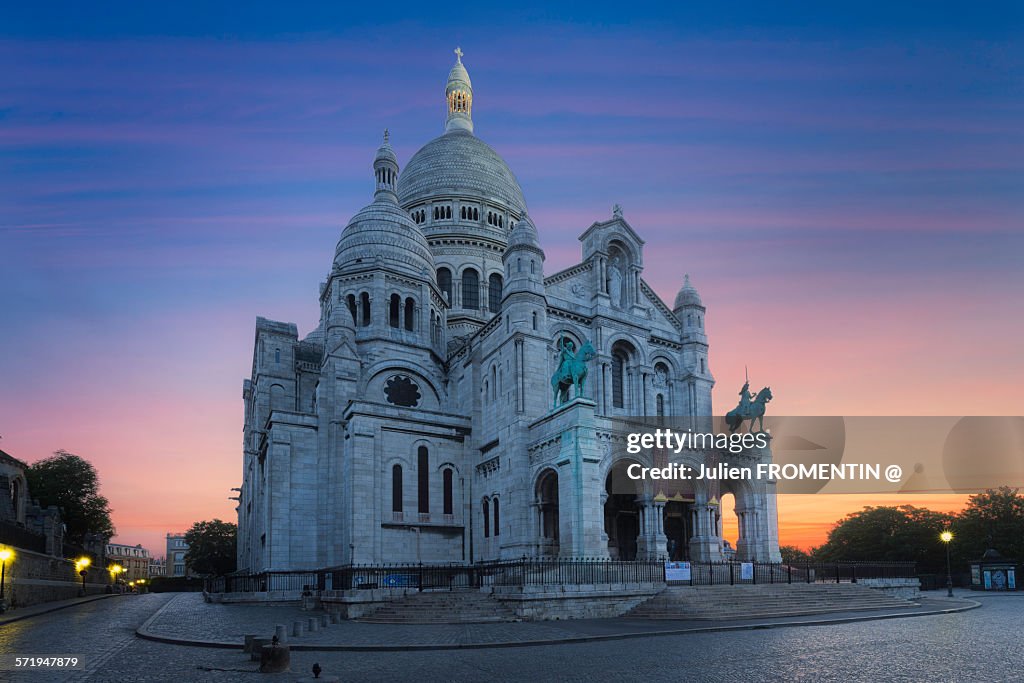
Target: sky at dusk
[845,187]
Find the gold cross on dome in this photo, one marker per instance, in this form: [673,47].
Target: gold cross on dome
[458,55]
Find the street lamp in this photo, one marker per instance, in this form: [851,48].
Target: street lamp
[946,537]
[114,570]
[81,565]
[5,554]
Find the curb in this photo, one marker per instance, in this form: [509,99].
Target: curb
[7,620]
[144,633]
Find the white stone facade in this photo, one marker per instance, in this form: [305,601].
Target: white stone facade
[415,424]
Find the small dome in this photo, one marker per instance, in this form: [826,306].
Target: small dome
[458,74]
[384,152]
[384,233]
[523,235]
[688,295]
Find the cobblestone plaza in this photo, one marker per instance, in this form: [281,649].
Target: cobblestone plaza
[927,648]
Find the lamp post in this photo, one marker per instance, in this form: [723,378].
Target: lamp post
[114,570]
[946,537]
[81,564]
[5,555]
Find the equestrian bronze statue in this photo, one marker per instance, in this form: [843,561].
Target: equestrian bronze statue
[572,370]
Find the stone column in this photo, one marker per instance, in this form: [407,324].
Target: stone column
[651,543]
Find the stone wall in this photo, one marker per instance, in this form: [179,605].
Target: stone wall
[352,604]
[908,589]
[33,578]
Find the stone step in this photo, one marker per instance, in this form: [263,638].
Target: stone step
[455,607]
[762,600]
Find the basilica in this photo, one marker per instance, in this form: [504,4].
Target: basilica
[422,420]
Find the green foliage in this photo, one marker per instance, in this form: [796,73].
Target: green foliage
[72,484]
[900,533]
[211,547]
[993,519]
[793,555]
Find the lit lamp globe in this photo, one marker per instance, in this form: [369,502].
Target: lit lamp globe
[946,536]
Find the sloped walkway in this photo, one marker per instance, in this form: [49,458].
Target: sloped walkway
[19,613]
[187,620]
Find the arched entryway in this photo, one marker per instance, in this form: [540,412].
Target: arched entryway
[621,513]
[547,513]
[678,520]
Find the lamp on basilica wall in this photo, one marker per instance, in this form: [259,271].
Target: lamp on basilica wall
[5,555]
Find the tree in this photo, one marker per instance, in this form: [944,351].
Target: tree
[211,547]
[993,519]
[901,533]
[793,555]
[72,484]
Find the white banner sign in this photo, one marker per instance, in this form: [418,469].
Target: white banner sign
[677,571]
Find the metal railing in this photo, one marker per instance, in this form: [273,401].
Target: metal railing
[740,573]
[528,571]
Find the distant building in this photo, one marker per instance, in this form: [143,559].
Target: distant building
[134,559]
[157,567]
[175,558]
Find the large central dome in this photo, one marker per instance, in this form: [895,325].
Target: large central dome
[464,200]
[459,163]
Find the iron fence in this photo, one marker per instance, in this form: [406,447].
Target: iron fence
[739,573]
[553,572]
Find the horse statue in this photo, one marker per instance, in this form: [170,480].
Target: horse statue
[571,372]
[751,408]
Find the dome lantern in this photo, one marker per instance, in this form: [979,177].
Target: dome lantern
[459,96]
[385,170]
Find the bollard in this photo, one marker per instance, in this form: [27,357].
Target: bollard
[314,625]
[324,620]
[334,618]
[296,628]
[249,637]
[281,633]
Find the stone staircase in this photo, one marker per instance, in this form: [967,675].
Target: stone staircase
[763,601]
[441,607]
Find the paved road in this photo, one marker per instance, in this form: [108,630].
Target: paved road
[981,644]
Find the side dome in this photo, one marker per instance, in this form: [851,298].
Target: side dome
[524,236]
[383,233]
[459,163]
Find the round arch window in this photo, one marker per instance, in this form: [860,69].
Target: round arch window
[400,390]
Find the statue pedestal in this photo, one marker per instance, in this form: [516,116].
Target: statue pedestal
[576,459]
